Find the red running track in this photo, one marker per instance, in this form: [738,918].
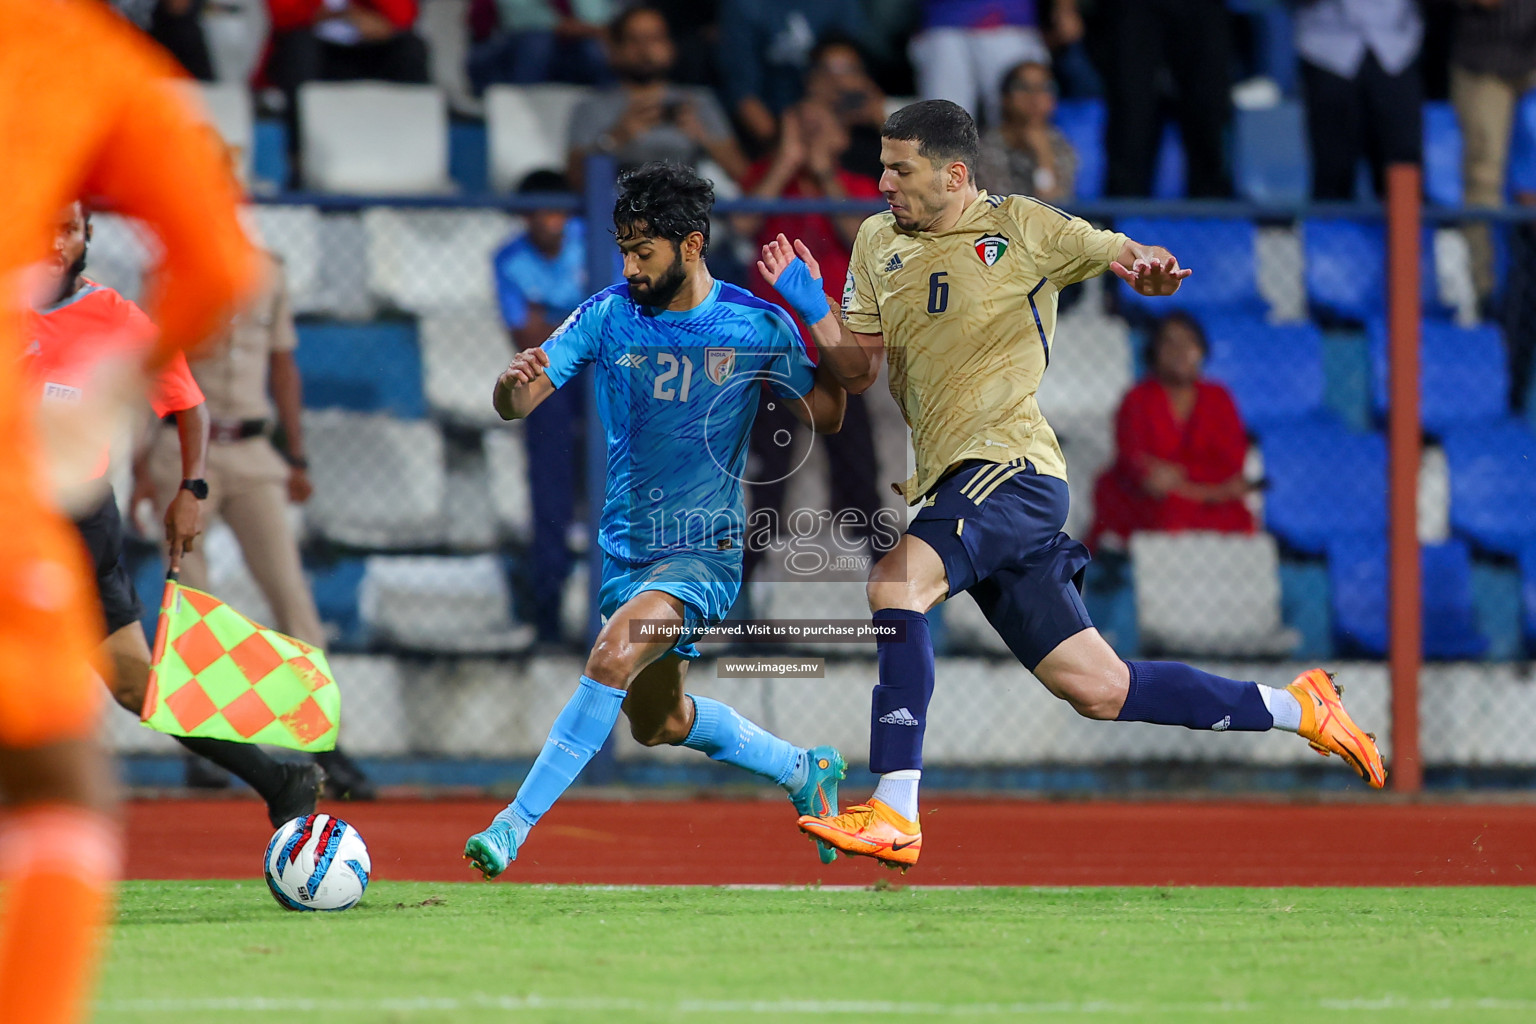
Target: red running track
[967,841]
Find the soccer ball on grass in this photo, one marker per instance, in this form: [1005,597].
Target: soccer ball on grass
[317,862]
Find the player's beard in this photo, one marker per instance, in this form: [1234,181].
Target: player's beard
[665,288]
[71,278]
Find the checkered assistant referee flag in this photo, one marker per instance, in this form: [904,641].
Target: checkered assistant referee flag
[218,674]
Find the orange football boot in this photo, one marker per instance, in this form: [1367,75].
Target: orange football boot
[869,830]
[1329,729]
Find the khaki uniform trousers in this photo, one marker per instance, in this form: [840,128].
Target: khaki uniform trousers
[1485,109]
[248,489]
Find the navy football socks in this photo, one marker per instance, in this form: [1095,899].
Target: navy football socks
[899,714]
[1170,693]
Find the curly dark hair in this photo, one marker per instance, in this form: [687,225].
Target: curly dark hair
[663,200]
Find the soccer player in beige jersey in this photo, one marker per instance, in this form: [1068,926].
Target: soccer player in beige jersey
[957,290]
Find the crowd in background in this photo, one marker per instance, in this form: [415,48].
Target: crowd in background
[785,98]
[721,76]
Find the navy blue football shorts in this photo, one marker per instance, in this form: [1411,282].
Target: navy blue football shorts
[997,526]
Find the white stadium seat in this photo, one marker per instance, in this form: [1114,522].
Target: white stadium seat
[379,482]
[471,516]
[527,128]
[227,105]
[1089,371]
[440,604]
[120,254]
[816,600]
[434,260]
[1203,593]
[462,354]
[293,233]
[374,138]
[506,467]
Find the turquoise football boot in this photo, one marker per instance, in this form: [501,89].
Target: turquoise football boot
[492,850]
[819,794]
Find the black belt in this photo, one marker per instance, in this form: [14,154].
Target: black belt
[229,431]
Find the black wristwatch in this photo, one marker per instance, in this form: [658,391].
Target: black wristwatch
[199,488]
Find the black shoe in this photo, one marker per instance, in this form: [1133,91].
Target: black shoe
[344,780]
[204,774]
[298,795]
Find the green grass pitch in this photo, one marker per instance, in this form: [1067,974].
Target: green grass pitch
[421,952]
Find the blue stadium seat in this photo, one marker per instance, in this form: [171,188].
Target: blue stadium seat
[1346,270]
[335,585]
[1323,481]
[1225,280]
[1493,485]
[1522,153]
[1169,174]
[1442,154]
[1463,374]
[1082,122]
[1357,568]
[1270,154]
[373,367]
[468,157]
[1528,594]
[1275,372]
[269,161]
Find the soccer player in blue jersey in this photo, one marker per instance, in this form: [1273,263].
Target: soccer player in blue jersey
[679,358]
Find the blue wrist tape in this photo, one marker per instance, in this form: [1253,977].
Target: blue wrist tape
[803,292]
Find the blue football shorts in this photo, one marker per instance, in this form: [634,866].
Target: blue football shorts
[706,582]
[997,527]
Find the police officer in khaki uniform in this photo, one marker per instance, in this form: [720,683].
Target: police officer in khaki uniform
[244,375]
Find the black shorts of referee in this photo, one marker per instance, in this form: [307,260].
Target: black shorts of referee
[102,530]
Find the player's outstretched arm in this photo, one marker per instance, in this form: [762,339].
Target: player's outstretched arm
[1150,269]
[522,385]
[854,359]
[822,407]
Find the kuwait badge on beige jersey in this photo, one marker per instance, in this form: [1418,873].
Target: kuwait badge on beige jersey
[991,248]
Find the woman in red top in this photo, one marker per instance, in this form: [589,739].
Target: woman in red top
[1181,445]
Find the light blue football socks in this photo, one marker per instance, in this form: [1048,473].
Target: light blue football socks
[580,730]
[720,732]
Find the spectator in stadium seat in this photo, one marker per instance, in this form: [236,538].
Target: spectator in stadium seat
[1180,446]
[1493,62]
[646,117]
[765,51]
[838,80]
[1026,154]
[965,47]
[695,27]
[177,26]
[1188,42]
[1363,88]
[541,276]
[344,40]
[807,164]
[544,41]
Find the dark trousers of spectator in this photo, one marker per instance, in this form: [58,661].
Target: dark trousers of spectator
[850,462]
[1375,115]
[556,455]
[1520,312]
[1192,41]
[182,35]
[527,58]
[300,56]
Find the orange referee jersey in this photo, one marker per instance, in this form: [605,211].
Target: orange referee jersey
[68,340]
[87,110]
